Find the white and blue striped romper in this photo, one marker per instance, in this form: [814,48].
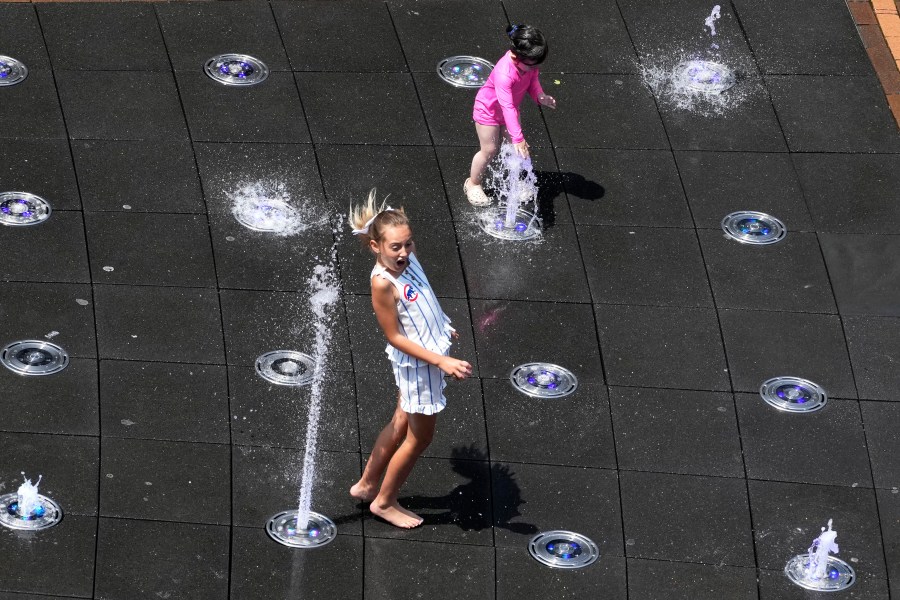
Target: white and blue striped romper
[422,321]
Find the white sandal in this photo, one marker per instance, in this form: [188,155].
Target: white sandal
[475,194]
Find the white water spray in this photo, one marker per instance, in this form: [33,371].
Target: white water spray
[712,18]
[513,179]
[28,496]
[267,206]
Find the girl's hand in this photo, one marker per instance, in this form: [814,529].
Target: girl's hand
[522,148]
[458,369]
[454,334]
[548,101]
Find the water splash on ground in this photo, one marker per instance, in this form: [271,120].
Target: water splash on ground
[267,206]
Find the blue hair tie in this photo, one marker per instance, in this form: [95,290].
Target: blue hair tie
[512,31]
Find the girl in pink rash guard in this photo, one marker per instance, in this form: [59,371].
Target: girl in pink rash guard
[497,102]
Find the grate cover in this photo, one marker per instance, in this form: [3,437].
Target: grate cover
[286,367]
[319,531]
[269,214]
[563,549]
[750,227]
[703,76]
[793,394]
[838,574]
[46,515]
[236,69]
[526,226]
[464,71]
[34,357]
[543,380]
[22,208]
[12,71]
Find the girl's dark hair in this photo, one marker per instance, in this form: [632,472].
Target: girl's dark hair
[527,43]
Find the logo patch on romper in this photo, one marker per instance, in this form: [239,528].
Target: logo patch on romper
[410,293]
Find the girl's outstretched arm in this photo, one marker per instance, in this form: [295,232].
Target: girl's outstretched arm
[385,305]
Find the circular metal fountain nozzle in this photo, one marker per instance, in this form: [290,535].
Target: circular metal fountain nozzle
[563,549]
[838,574]
[286,367]
[464,71]
[751,227]
[543,380]
[34,357]
[703,76]
[318,532]
[525,226]
[47,514]
[12,71]
[21,208]
[236,69]
[793,394]
[266,214]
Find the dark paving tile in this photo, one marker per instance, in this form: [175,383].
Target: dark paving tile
[52,311]
[687,518]
[262,569]
[773,585]
[436,245]
[66,403]
[61,236]
[165,481]
[461,423]
[279,471]
[164,401]
[361,97]
[28,596]
[605,111]
[520,577]
[448,112]
[889,511]
[762,345]
[663,580]
[353,36]
[611,187]
[430,32]
[787,517]
[675,31]
[789,275]
[159,324]
[22,37]
[882,420]
[508,334]
[142,176]
[864,272]
[662,347]
[533,430]
[641,265]
[833,114]
[831,44]
[102,37]
[851,193]
[150,249]
[405,175]
[268,112]
[41,167]
[692,433]
[529,499]
[549,270]
[753,111]
[68,464]
[197,31]
[265,414]
[69,547]
[776,443]
[585,37]
[454,498]
[368,342]
[178,560]
[720,183]
[873,343]
[31,109]
[280,321]
[401,569]
[141,105]
[455,164]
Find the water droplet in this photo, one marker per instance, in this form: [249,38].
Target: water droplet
[108,269]
[126,422]
[126,206]
[109,475]
[82,302]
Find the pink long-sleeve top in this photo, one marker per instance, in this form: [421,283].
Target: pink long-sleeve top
[497,102]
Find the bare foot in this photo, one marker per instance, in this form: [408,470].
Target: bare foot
[363,492]
[396,515]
